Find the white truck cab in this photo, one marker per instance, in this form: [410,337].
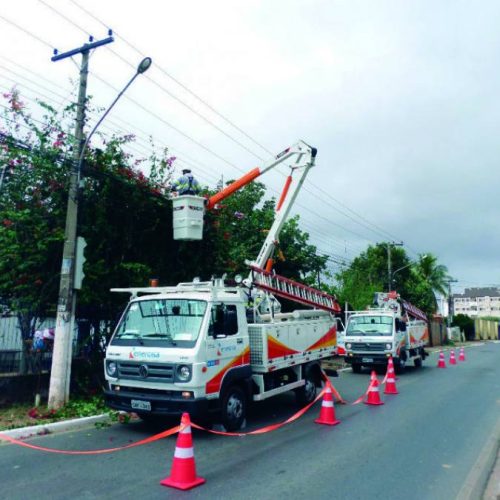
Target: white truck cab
[393,329]
[190,348]
[193,348]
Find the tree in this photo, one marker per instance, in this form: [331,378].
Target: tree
[125,217]
[367,274]
[466,325]
[433,275]
[32,198]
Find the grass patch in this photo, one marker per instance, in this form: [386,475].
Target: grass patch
[24,415]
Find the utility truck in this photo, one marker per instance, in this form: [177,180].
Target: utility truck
[391,328]
[212,347]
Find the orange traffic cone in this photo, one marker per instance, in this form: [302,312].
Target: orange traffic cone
[390,382]
[441,362]
[183,472]
[453,360]
[373,391]
[461,356]
[327,413]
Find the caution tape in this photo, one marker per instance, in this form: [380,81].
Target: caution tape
[150,439]
[340,398]
[267,428]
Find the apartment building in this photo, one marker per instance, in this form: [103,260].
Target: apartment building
[477,302]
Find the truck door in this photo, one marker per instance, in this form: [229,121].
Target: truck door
[226,345]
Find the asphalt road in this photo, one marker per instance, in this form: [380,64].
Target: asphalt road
[428,442]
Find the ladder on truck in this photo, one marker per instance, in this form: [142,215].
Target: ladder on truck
[289,289]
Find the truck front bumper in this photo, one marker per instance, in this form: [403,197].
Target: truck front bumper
[367,358]
[159,404]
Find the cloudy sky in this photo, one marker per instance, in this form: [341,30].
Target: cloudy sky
[400,98]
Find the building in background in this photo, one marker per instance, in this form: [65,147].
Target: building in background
[477,302]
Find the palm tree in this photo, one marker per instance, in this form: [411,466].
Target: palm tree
[436,275]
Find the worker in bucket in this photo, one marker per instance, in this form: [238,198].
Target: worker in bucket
[186,184]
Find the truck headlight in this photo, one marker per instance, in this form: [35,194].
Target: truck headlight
[348,346]
[183,373]
[388,346]
[111,368]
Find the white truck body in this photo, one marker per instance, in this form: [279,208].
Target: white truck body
[168,355]
[396,330]
[201,347]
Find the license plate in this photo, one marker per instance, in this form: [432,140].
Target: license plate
[136,404]
[366,360]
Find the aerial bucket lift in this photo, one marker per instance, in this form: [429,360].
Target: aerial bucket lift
[188,226]
[188,210]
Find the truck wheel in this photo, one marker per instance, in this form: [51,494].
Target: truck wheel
[234,408]
[400,365]
[417,362]
[306,394]
[356,367]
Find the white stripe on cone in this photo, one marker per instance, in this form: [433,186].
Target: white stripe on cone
[183,452]
[327,404]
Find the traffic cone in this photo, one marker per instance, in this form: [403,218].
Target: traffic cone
[327,413]
[441,362]
[183,472]
[453,360]
[461,356]
[373,391]
[390,383]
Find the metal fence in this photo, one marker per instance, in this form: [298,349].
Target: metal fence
[11,347]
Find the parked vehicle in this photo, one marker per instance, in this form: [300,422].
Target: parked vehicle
[392,328]
[212,348]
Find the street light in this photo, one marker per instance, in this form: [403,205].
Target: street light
[404,267]
[61,358]
[144,65]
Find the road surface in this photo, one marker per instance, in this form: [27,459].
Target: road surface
[434,440]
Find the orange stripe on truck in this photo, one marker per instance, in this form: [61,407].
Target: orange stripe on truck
[329,339]
[213,385]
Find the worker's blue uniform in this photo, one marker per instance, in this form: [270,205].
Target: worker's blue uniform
[186,184]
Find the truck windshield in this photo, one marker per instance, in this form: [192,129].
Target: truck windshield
[161,323]
[369,325]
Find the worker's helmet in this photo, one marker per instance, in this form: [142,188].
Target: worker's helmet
[186,171]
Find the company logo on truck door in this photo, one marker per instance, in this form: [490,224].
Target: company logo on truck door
[213,385]
[136,354]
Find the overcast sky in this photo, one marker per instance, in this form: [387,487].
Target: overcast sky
[400,98]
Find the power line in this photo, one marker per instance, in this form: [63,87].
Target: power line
[209,121]
[202,145]
[29,33]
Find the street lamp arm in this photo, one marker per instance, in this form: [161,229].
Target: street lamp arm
[401,268]
[143,66]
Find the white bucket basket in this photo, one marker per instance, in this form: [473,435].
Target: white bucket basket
[188,211]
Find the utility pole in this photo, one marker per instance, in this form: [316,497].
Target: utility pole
[450,301]
[63,340]
[391,244]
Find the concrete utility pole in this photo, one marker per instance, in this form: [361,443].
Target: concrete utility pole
[450,301]
[61,356]
[389,264]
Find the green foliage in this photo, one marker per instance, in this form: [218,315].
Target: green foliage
[415,282]
[466,325]
[368,274]
[78,408]
[125,218]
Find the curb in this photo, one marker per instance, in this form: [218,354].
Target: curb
[482,480]
[64,425]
